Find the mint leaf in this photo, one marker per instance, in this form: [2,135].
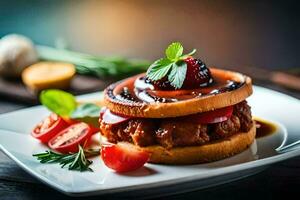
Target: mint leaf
[58,101]
[177,74]
[173,66]
[187,55]
[192,52]
[159,69]
[174,51]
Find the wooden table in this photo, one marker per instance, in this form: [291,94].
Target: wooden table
[275,182]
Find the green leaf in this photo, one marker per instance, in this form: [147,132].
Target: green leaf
[173,66]
[58,101]
[192,52]
[87,109]
[177,74]
[88,113]
[159,69]
[187,55]
[174,51]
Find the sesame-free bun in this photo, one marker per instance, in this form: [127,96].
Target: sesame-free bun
[209,152]
[183,107]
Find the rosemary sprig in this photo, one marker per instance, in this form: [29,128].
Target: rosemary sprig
[75,161]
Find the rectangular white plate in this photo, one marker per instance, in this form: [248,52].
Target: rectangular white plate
[16,142]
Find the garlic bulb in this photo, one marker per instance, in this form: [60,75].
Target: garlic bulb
[16,53]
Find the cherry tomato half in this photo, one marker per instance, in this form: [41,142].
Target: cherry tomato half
[215,116]
[69,138]
[49,127]
[123,158]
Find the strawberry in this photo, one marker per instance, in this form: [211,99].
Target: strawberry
[197,74]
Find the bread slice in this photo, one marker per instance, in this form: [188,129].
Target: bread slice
[180,108]
[210,152]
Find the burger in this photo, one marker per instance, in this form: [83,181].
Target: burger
[180,111]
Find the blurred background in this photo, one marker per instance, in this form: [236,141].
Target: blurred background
[226,33]
[240,35]
[257,37]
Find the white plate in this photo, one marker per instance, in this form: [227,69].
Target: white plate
[16,142]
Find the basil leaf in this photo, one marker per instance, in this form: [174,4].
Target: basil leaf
[58,101]
[159,69]
[88,113]
[177,74]
[87,109]
[174,51]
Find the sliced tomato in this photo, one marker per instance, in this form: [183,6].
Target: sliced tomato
[69,138]
[215,116]
[49,127]
[123,158]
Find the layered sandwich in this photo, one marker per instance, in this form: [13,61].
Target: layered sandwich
[180,111]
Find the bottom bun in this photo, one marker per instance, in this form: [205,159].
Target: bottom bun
[213,151]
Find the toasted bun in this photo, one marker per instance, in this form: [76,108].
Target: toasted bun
[210,152]
[185,107]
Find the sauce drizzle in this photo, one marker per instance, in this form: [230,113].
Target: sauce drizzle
[138,90]
[264,128]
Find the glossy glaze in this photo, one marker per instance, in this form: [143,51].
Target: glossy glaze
[140,90]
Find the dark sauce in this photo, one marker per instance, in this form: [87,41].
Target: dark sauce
[137,90]
[125,94]
[264,128]
[231,85]
[145,91]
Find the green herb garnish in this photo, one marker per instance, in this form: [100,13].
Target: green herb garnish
[58,101]
[103,67]
[74,161]
[173,66]
[87,109]
[88,113]
[64,104]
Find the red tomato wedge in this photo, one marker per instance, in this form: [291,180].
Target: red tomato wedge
[215,116]
[123,158]
[68,139]
[49,127]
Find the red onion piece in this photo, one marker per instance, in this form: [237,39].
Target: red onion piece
[111,118]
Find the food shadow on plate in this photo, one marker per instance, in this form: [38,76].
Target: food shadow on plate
[248,155]
[142,172]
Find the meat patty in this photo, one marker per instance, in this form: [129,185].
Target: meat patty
[243,111]
[181,133]
[141,131]
[226,128]
[115,133]
[172,132]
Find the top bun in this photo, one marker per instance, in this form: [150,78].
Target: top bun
[183,107]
